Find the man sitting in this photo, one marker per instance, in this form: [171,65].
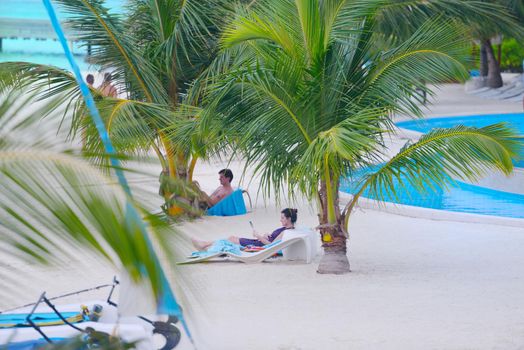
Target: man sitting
[225,177]
[107,88]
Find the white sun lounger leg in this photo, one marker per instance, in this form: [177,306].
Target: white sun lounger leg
[262,255]
[192,260]
[304,250]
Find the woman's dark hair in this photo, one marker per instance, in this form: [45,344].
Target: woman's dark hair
[291,214]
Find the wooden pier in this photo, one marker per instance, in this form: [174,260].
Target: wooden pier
[39,29]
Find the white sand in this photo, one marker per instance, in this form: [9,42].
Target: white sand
[415,283]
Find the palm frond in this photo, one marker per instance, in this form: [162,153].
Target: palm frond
[434,53]
[350,144]
[439,157]
[400,19]
[132,125]
[113,48]
[207,136]
[178,37]
[46,81]
[255,27]
[53,203]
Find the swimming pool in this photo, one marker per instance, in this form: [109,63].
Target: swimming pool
[461,197]
[515,120]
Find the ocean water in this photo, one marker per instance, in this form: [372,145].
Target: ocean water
[34,9]
[47,52]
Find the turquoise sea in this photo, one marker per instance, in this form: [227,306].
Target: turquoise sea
[40,51]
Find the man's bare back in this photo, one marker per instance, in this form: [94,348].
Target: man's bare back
[224,190]
[220,193]
[107,88]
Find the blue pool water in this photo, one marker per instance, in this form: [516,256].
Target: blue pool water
[461,197]
[515,120]
[47,52]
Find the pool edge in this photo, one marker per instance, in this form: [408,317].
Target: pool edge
[433,214]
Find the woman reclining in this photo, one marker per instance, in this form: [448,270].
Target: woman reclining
[288,217]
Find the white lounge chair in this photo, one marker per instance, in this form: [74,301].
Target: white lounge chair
[306,251]
[295,245]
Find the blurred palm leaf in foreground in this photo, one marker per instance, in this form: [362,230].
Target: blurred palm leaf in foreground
[105,342]
[55,204]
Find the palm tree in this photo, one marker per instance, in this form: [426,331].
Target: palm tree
[484,21]
[310,94]
[54,202]
[155,50]
[486,31]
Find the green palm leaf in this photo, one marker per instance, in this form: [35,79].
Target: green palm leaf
[434,53]
[312,88]
[289,100]
[132,125]
[155,51]
[113,48]
[54,204]
[45,81]
[400,19]
[439,157]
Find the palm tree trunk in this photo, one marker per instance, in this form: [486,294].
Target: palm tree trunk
[494,77]
[192,165]
[335,259]
[499,53]
[170,156]
[483,60]
[334,240]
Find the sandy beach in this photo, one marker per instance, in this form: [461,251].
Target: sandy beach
[415,283]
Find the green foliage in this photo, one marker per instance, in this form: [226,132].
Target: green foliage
[182,194]
[154,51]
[506,19]
[316,86]
[312,87]
[95,340]
[399,19]
[512,55]
[55,204]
